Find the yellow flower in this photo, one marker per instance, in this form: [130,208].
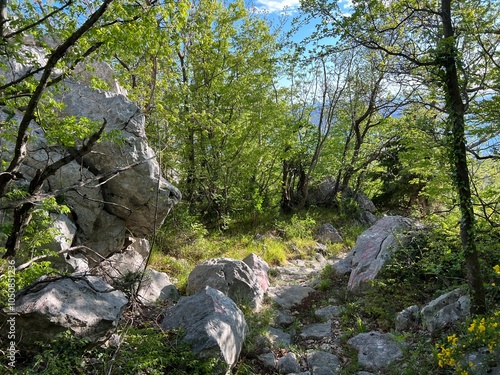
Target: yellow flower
[497,269]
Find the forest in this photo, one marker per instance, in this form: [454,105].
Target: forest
[248,111]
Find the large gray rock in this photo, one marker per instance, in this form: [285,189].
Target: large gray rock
[483,361]
[324,195]
[86,306]
[445,310]
[132,194]
[376,350]
[87,72]
[408,319]
[232,277]
[113,192]
[373,247]
[213,325]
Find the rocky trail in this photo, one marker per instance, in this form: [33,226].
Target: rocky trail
[306,335]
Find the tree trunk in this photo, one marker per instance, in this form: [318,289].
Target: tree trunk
[286,189]
[3,17]
[458,154]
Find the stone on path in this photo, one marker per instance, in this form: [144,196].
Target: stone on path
[267,360]
[278,338]
[323,363]
[316,331]
[376,350]
[329,312]
[288,296]
[373,247]
[288,364]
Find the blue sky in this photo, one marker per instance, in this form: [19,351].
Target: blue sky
[278,10]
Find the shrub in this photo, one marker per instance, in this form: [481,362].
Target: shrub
[482,332]
[297,227]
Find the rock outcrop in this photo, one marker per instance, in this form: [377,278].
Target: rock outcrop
[328,233]
[324,195]
[116,193]
[156,287]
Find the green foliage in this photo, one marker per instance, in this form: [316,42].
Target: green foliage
[154,351]
[64,356]
[39,234]
[297,227]
[428,260]
[143,350]
[482,332]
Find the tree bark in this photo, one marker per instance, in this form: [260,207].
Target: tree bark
[458,153]
[3,17]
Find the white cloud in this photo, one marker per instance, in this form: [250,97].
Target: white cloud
[278,5]
[289,6]
[344,4]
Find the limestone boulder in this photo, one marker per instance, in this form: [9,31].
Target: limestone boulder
[230,276]
[373,247]
[324,194]
[86,306]
[134,181]
[445,310]
[213,325]
[408,319]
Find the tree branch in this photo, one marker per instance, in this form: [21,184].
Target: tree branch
[23,133]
